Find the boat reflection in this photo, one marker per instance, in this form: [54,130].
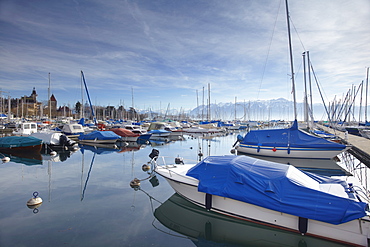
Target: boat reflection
[60,156]
[206,228]
[130,146]
[26,158]
[101,149]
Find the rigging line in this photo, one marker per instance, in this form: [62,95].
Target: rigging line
[311,65]
[268,51]
[291,21]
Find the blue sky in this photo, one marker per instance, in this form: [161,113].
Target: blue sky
[165,51]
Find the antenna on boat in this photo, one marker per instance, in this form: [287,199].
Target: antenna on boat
[291,60]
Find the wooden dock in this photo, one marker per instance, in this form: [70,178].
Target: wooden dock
[360,145]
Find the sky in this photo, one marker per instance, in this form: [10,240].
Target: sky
[158,54]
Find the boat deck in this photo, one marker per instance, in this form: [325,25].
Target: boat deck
[360,145]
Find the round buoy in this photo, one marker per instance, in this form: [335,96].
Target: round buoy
[53,153]
[145,167]
[35,200]
[232,151]
[135,183]
[274,149]
[5,159]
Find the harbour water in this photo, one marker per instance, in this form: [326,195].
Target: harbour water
[88,201]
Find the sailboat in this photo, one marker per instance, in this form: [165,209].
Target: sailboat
[291,142]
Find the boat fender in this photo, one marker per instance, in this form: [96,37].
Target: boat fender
[179,161]
[35,200]
[208,230]
[5,159]
[274,149]
[154,154]
[258,148]
[208,201]
[288,150]
[302,225]
[154,181]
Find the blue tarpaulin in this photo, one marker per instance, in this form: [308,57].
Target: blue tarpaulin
[278,187]
[291,137]
[99,135]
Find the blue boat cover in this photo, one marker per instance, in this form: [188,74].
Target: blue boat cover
[99,135]
[291,137]
[278,187]
[19,141]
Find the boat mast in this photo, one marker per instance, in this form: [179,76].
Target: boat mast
[310,84]
[49,99]
[367,83]
[209,102]
[305,90]
[82,110]
[291,60]
[88,97]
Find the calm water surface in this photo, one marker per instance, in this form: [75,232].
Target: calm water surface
[88,201]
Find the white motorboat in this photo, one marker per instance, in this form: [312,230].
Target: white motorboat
[274,194]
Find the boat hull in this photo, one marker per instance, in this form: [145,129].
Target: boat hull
[354,232]
[11,144]
[34,148]
[93,142]
[291,152]
[129,138]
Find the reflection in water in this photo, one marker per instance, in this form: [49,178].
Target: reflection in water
[26,158]
[100,149]
[60,156]
[206,228]
[87,178]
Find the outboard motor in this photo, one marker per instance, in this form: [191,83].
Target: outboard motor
[63,140]
[239,138]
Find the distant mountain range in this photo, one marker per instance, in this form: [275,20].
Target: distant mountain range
[274,109]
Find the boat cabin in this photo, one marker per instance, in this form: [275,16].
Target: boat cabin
[25,128]
[72,129]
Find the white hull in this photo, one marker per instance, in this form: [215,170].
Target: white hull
[159,135]
[302,153]
[129,138]
[177,133]
[92,142]
[353,233]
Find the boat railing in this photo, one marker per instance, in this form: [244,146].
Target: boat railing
[360,172]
